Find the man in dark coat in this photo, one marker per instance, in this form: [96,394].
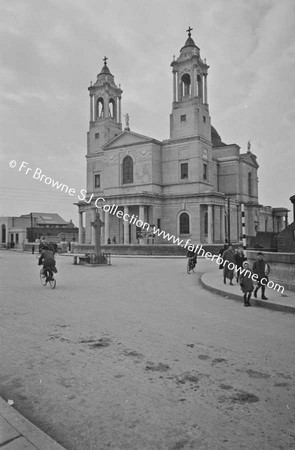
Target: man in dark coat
[221,251]
[193,256]
[229,256]
[262,269]
[48,261]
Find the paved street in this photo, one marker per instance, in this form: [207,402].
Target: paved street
[139,356]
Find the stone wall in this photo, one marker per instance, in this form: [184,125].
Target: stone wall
[286,239]
[159,250]
[282,267]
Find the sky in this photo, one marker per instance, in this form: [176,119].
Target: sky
[51,49]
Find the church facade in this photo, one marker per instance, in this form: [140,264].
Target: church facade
[191,185]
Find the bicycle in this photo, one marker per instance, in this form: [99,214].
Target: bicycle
[46,276]
[190,267]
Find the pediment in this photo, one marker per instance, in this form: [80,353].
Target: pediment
[250,158]
[127,139]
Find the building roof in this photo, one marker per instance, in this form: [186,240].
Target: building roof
[189,42]
[46,218]
[215,138]
[105,70]
[127,138]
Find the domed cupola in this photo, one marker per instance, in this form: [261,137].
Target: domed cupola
[190,112]
[105,73]
[105,108]
[189,48]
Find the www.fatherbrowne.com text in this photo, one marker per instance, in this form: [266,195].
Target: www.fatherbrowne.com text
[37,174]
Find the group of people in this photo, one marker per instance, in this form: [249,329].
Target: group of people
[47,252]
[260,267]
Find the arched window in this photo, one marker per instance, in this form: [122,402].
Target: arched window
[112,108]
[127,170]
[184,223]
[99,108]
[200,87]
[249,183]
[186,85]
[3,234]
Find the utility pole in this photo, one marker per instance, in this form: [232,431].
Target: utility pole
[244,229]
[32,228]
[228,220]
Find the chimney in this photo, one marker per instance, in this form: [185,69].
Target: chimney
[292,199]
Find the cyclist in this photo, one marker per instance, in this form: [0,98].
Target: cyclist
[193,258]
[48,261]
[42,244]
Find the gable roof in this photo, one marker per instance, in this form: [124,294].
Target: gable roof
[47,218]
[128,138]
[249,158]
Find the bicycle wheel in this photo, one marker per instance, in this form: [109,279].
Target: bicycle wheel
[52,283]
[43,278]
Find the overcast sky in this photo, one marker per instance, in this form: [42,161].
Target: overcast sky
[51,49]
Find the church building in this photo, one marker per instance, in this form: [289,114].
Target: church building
[191,185]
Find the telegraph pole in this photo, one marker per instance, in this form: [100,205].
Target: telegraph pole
[228,220]
[244,229]
[32,228]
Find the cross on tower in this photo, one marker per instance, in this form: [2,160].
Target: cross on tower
[105,60]
[189,31]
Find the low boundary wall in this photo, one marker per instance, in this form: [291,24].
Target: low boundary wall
[282,267]
[144,249]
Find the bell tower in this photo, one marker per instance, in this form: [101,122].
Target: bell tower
[105,110]
[190,109]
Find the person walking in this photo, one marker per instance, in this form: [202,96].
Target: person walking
[262,269]
[228,255]
[220,253]
[246,283]
[239,260]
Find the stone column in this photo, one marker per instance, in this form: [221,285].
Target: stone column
[91,107]
[194,83]
[205,89]
[106,226]
[106,107]
[174,86]
[151,220]
[126,226]
[141,217]
[281,223]
[93,217]
[179,88]
[80,227]
[222,228]
[120,113]
[210,224]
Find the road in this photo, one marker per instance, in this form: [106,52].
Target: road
[138,356]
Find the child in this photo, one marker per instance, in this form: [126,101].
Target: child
[246,283]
